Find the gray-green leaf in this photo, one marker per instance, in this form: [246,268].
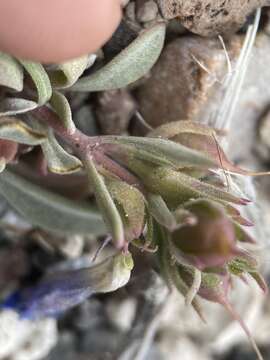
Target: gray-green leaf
[14,106]
[177,154]
[130,65]
[130,203]
[59,161]
[16,130]
[160,211]
[40,79]
[106,204]
[11,72]
[49,210]
[61,106]
[69,72]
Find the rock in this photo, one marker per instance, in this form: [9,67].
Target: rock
[99,341]
[65,348]
[171,346]
[85,120]
[253,104]
[126,32]
[114,111]
[263,139]
[124,3]
[14,265]
[130,12]
[147,11]
[121,313]
[72,246]
[179,87]
[42,340]
[89,316]
[25,340]
[212,17]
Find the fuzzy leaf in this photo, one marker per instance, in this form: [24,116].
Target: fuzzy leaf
[259,280]
[174,153]
[215,288]
[124,151]
[176,187]
[148,241]
[68,73]
[11,72]
[160,211]
[16,130]
[149,236]
[243,263]
[40,79]
[209,146]
[174,128]
[242,235]
[198,189]
[61,106]
[198,137]
[106,204]
[49,210]
[236,217]
[130,203]
[170,271]
[130,65]
[59,161]
[14,106]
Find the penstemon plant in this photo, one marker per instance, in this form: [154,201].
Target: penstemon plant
[163,193]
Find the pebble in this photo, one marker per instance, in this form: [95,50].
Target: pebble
[72,246]
[126,32]
[124,3]
[148,11]
[212,17]
[130,12]
[263,144]
[85,120]
[26,340]
[114,111]
[179,87]
[65,348]
[122,313]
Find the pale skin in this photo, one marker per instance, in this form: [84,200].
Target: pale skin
[56,30]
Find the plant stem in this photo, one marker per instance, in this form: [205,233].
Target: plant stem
[122,173]
[84,145]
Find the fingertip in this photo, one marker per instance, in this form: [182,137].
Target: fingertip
[54,31]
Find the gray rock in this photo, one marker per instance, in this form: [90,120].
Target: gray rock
[179,87]
[114,111]
[212,17]
[148,11]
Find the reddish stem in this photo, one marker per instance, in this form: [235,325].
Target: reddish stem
[118,170]
[84,145]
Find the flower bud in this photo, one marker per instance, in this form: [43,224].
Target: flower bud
[210,242]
